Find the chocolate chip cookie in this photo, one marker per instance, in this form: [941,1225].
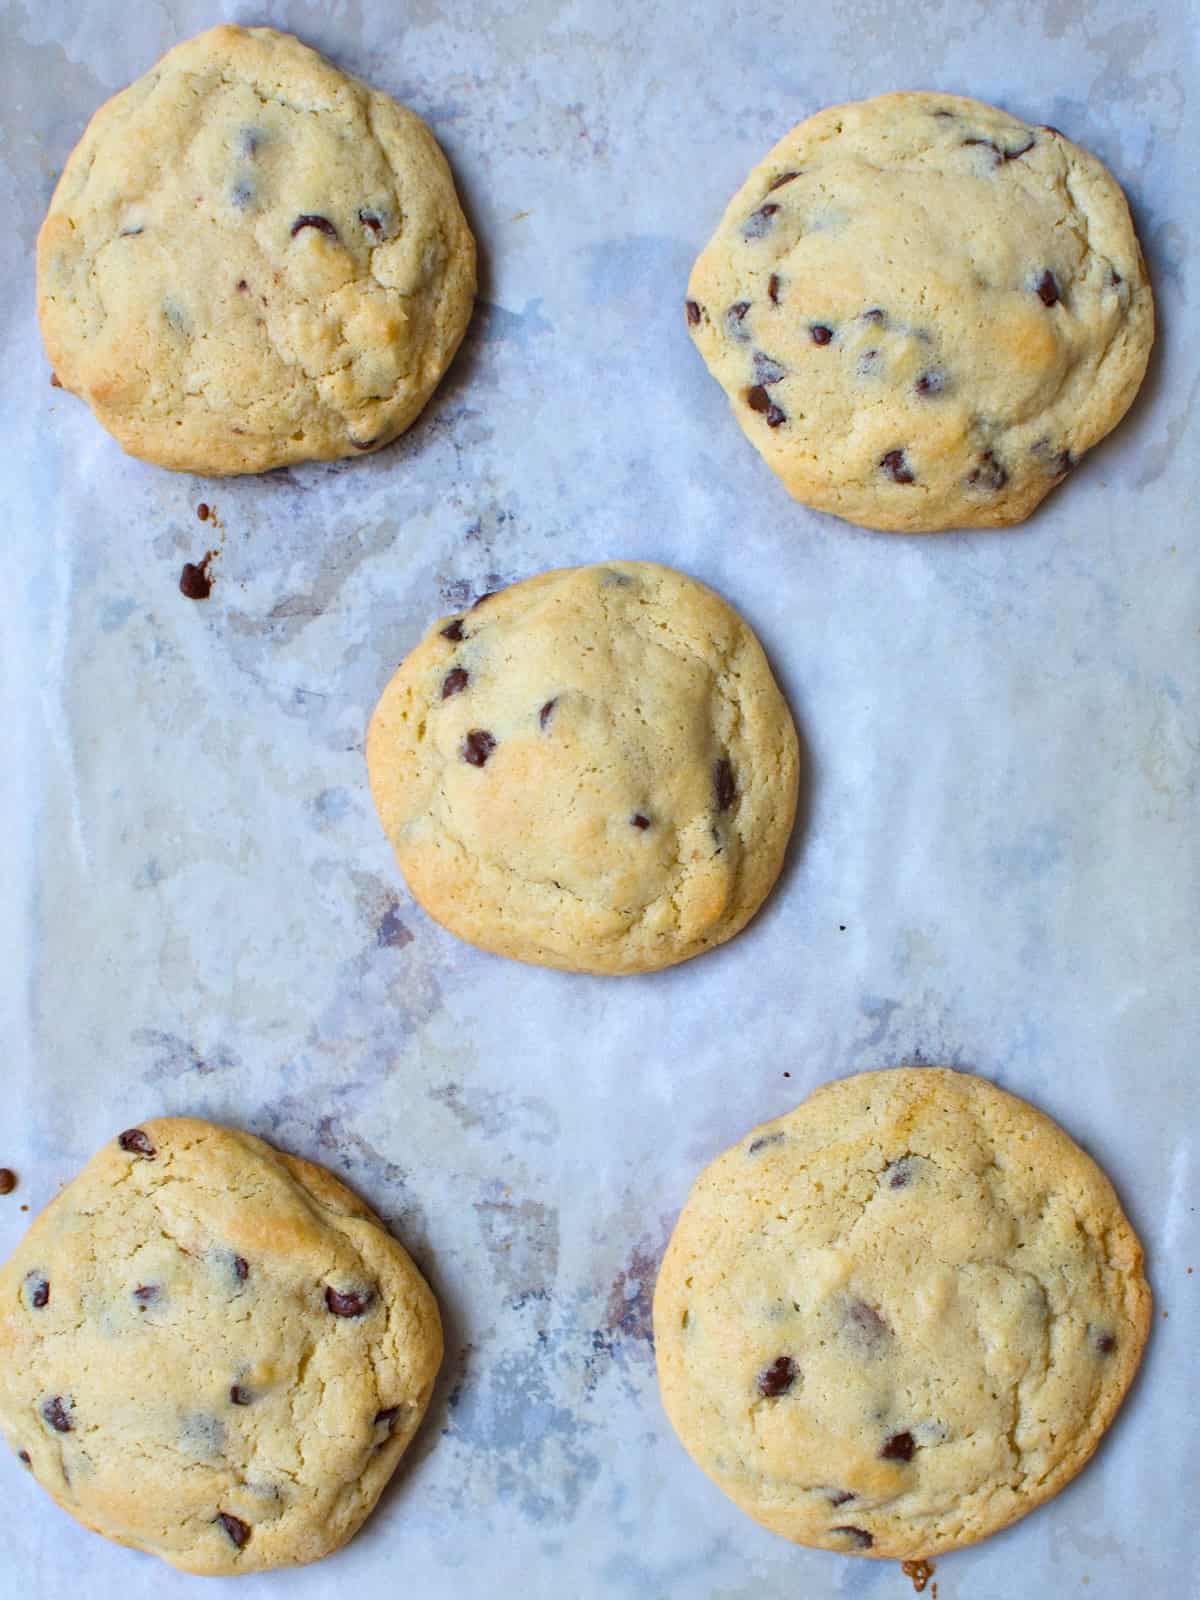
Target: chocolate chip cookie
[924,311]
[901,1317]
[213,1351]
[252,259]
[592,770]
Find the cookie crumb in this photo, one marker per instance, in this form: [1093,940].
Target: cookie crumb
[920,1572]
[8,1180]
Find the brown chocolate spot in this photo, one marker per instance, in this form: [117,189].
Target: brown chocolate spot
[773,288]
[820,333]
[195,581]
[931,383]
[759,222]
[759,400]
[137,1142]
[1047,288]
[839,1497]
[899,1447]
[23,1455]
[455,681]
[488,594]
[860,1536]
[237,1530]
[38,1289]
[241,1267]
[989,474]
[453,631]
[724,786]
[8,1180]
[920,1572]
[637,820]
[734,318]
[350,1304]
[1106,1343]
[875,314]
[478,746]
[55,381]
[693,312]
[767,370]
[144,1294]
[778,1378]
[547,711]
[1114,278]
[372,220]
[756,1145]
[56,1412]
[242,286]
[897,467]
[202,511]
[238,1395]
[321,224]
[784,177]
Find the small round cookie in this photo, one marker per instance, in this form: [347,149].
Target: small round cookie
[253,259]
[924,311]
[213,1351]
[900,1317]
[592,770]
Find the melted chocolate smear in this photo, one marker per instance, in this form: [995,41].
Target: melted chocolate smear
[759,400]
[478,746]
[237,1530]
[351,1304]
[55,1412]
[547,711]
[137,1142]
[455,681]
[860,1536]
[242,1267]
[773,288]
[321,224]
[453,631]
[724,786]
[897,468]
[145,1293]
[760,1144]
[778,1378]
[784,177]
[693,312]
[195,581]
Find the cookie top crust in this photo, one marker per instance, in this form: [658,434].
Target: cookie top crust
[900,1317]
[593,770]
[924,311]
[253,259]
[213,1351]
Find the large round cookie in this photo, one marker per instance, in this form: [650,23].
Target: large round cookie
[252,259]
[900,1317]
[593,770]
[213,1351]
[924,311]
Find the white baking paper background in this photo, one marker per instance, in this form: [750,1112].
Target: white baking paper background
[996,865]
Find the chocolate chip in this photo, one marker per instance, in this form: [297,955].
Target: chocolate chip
[547,711]
[242,286]
[758,399]
[897,468]
[1000,156]
[1114,278]
[238,1395]
[756,1145]
[55,381]
[778,1378]
[55,1411]
[202,511]
[875,314]
[997,156]
[478,746]
[145,1293]
[931,383]
[899,1447]
[351,1304]
[455,681]
[693,312]
[137,1143]
[1106,1343]
[860,1536]
[387,1416]
[724,786]
[820,333]
[322,225]
[237,1530]
[38,1290]
[8,1180]
[734,317]
[194,581]
[760,221]
[839,1497]
[1062,463]
[1047,288]
[23,1455]
[773,288]
[989,474]
[453,631]
[767,369]
[637,820]
[369,219]
[241,1267]
[784,177]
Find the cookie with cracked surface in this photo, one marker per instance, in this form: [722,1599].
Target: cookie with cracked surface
[252,259]
[924,311]
[213,1351]
[595,770]
[900,1317]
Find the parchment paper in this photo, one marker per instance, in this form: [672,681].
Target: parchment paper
[997,866]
